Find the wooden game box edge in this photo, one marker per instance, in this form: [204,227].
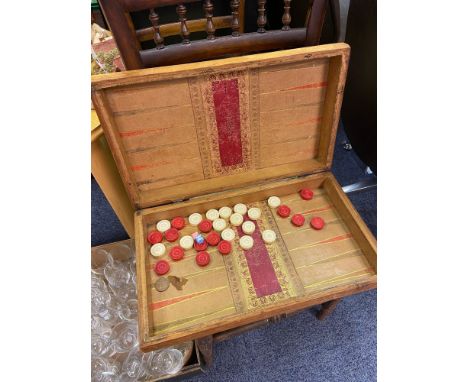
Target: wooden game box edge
[139,76]
[357,226]
[339,57]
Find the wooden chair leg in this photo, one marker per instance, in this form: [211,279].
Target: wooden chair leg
[327,309]
[205,345]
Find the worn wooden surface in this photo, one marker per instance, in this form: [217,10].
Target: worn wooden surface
[162,123]
[307,267]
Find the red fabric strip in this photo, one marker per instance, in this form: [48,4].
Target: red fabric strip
[261,269]
[226,103]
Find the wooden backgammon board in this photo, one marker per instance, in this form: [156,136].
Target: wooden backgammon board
[194,137]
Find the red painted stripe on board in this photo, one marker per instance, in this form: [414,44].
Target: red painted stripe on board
[336,238]
[319,209]
[227,111]
[314,85]
[161,304]
[260,267]
[305,121]
[135,133]
[139,167]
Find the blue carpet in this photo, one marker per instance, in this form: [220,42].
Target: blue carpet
[105,226]
[302,348]
[299,348]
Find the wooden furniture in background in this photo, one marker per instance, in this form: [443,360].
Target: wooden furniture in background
[171,166]
[107,176]
[209,24]
[117,13]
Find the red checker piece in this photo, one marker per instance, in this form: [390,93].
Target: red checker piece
[154,237]
[205,225]
[283,211]
[161,267]
[178,222]
[298,220]
[224,247]
[200,247]
[317,223]
[307,194]
[202,258]
[213,238]
[171,234]
[176,253]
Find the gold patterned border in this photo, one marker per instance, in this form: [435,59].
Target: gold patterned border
[242,288]
[200,125]
[254,93]
[280,250]
[231,264]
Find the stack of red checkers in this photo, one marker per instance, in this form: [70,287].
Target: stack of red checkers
[178,222]
[213,238]
[205,225]
[171,234]
[306,194]
[298,220]
[202,258]
[176,253]
[154,237]
[224,247]
[283,211]
[200,247]
[161,267]
[317,223]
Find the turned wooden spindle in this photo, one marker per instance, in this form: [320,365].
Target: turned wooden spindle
[210,29]
[235,18]
[286,15]
[184,32]
[262,19]
[154,18]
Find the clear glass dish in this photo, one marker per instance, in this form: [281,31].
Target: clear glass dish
[124,336]
[99,259]
[163,362]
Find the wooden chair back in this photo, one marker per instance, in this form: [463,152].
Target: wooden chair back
[128,40]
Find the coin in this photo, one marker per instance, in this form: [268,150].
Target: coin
[161,284]
[178,282]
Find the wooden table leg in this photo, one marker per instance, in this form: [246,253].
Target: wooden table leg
[327,309]
[205,345]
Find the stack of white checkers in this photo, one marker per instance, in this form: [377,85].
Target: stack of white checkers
[221,221]
[226,217]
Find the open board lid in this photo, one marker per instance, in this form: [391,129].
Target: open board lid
[182,131]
